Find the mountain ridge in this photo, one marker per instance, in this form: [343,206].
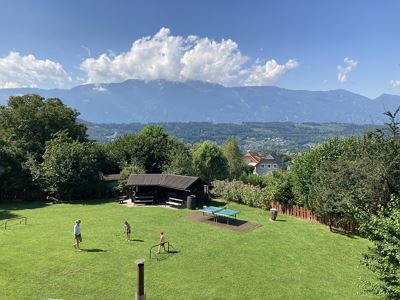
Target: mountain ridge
[174,101]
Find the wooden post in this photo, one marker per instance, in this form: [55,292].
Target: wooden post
[140,280]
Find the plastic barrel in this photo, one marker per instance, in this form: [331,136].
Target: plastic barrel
[191,202]
[274,213]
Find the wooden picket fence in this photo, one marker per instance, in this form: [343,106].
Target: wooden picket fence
[23,196]
[306,214]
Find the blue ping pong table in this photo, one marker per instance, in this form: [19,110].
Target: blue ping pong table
[220,212]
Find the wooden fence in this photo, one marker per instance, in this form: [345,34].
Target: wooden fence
[23,196]
[305,213]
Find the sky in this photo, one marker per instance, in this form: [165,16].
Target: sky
[308,45]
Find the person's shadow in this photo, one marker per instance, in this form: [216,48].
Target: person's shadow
[94,250]
[137,240]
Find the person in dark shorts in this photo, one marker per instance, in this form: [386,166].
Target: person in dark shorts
[127,230]
[77,234]
[162,241]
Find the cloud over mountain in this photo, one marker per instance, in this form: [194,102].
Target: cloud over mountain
[178,58]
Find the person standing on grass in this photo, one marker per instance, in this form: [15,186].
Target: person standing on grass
[127,230]
[77,234]
[162,241]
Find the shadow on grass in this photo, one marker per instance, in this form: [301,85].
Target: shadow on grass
[6,214]
[94,250]
[216,203]
[8,207]
[95,201]
[137,240]
[348,234]
[164,255]
[280,221]
[232,222]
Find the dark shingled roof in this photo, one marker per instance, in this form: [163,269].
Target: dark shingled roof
[165,180]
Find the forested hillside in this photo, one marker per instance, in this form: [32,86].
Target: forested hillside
[285,137]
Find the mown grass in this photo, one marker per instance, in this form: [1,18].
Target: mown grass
[287,259]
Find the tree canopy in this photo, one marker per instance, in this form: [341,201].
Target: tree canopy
[209,163]
[69,168]
[29,121]
[234,158]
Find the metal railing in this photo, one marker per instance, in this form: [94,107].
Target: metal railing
[152,247]
[22,220]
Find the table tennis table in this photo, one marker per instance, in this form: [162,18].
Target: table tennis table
[217,212]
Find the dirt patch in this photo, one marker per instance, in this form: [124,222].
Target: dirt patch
[234,224]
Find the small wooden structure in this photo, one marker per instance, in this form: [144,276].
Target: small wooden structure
[169,188]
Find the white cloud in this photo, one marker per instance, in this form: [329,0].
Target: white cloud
[211,61]
[28,71]
[269,72]
[395,83]
[149,58]
[343,71]
[164,56]
[99,88]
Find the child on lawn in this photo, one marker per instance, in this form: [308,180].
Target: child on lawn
[77,234]
[127,230]
[162,241]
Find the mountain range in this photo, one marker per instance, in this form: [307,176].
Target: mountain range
[197,101]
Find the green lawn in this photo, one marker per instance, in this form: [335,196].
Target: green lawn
[287,259]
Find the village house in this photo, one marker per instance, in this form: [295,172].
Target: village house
[263,165]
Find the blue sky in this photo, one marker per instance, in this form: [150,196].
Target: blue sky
[313,45]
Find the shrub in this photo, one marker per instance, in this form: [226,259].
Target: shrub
[239,192]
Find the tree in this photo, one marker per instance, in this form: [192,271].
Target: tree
[69,168]
[153,146]
[278,186]
[307,164]
[26,123]
[234,157]
[123,151]
[29,121]
[126,171]
[209,163]
[383,259]
[12,174]
[180,158]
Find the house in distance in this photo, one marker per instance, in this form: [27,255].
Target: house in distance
[263,165]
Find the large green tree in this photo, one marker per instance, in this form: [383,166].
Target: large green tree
[29,121]
[209,162]
[152,149]
[123,151]
[12,172]
[68,168]
[26,123]
[234,157]
[180,158]
[307,164]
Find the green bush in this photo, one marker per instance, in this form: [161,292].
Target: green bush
[239,192]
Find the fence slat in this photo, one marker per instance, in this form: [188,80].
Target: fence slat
[307,214]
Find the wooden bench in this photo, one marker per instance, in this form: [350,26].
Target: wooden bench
[175,202]
[145,199]
[122,199]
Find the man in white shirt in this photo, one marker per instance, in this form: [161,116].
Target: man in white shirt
[77,234]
